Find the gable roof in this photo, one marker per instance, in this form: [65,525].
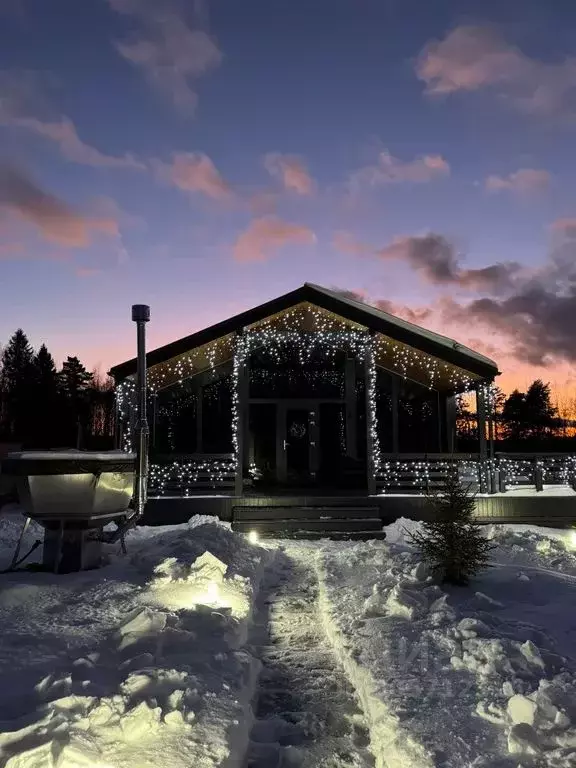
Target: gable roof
[350,309]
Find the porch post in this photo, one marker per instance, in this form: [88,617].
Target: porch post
[240,402]
[447,416]
[394,406]
[199,426]
[350,394]
[481,424]
[370,426]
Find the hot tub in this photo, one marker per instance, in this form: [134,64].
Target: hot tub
[73,494]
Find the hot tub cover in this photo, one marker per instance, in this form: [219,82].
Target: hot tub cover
[68,462]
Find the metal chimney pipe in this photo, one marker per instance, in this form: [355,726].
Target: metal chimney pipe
[141,315]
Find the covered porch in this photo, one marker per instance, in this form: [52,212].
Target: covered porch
[312,394]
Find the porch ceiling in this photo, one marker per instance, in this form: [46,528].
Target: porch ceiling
[391,354]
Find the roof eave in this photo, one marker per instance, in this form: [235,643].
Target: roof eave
[325,301]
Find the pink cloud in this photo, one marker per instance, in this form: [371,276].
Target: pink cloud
[472,57]
[195,172]
[172,51]
[56,221]
[345,242]
[64,134]
[523,182]
[565,227]
[87,271]
[21,98]
[292,173]
[266,235]
[391,170]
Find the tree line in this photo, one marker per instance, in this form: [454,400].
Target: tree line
[522,421]
[42,407]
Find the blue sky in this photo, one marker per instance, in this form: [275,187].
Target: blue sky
[386,119]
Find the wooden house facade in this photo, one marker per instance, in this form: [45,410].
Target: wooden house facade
[311,393]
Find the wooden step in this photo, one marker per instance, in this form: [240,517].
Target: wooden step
[363,524]
[302,513]
[317,535]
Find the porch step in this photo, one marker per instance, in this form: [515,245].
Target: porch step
[281,512]
[309,522]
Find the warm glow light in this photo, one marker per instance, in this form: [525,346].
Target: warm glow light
[253,537]
[571,540]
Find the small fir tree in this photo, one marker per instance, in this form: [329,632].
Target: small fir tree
[452,542]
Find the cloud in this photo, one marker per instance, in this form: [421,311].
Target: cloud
[171,48]
[471,58]
[64,134]
[565,227]
[57,222]
[391,170]
[292,173]
[436,259]
[536,312]
[194,172]
[523,182]
[20,99]
[345,242]
[265,235]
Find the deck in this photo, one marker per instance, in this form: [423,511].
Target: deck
[554,506]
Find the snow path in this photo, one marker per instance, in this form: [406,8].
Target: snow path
[306,710]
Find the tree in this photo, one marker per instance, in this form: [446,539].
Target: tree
[17,385]
[498,400]
[452,542]
[47,400]
[75,381]
[514,416]
[540,414]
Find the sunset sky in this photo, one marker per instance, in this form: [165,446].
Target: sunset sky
[204,157]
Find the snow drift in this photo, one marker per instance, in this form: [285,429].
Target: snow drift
[482,676]
[140,663]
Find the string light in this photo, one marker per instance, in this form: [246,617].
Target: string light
[306,330]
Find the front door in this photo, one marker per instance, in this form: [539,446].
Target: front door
[297,446]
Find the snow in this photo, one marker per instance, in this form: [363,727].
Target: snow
[479,676]
[200,648]
[74,455]
[140,663]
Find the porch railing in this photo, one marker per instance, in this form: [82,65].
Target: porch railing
[185,474]
[423,473]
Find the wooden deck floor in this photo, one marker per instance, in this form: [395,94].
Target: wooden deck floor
[541,509]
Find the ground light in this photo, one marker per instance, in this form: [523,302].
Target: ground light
[253,537]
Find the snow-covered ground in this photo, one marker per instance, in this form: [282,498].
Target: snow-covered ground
[140,664]
[482,676]
[201,649]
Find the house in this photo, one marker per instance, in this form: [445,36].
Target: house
[313,392]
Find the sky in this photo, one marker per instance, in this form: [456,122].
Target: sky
[204,157]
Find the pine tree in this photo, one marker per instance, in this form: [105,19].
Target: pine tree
[514,416]
[75,381]
[540,413]
[17,385]
[452,542]
[48,401]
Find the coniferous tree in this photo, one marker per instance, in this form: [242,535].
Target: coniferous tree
[75,381]
[540,414]
[48,400]
[514,416]
[452,542]
[17,385]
